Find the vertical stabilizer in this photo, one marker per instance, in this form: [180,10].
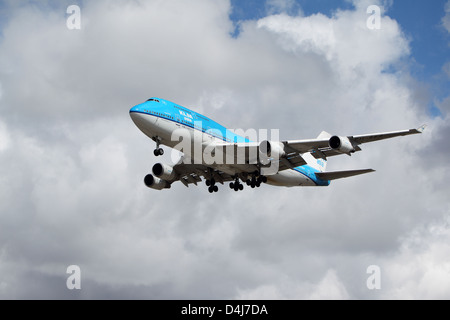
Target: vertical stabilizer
[318,164]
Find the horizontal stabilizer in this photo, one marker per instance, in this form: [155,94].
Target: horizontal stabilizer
[341,174]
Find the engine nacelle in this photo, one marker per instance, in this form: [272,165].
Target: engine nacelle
[269,150]
[164,172]
[341,144]
[153,182]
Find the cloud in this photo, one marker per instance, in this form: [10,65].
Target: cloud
[282,6]
[421,267]
[446,69]
[446,18]
[328,288]
[5,139]
[72,162]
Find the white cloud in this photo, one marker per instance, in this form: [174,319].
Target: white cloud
[446,18]
[285,6]
[344,40]
[330,288]
[446,69]
[72,190]
[421,270]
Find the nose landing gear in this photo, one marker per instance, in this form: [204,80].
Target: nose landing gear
[158,151]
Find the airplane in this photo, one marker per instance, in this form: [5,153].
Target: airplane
[280,163]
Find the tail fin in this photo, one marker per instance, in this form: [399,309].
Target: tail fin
[324,135]
[320,164]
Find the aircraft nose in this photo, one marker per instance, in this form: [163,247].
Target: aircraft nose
[137,108]
[141,118]
[136,114]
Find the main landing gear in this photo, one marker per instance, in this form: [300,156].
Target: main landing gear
[158,151]
[254,182]
[212,186]
[236,185]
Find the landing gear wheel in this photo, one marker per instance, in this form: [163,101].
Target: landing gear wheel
[216,189]
[241,187]
[232,185]
[208,183]
[158,151]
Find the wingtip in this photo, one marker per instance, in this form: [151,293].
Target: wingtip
[422,128]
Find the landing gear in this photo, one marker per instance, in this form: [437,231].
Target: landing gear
[158,151]
[213,189]
[236,185]
[211,182]
[256,180]
[212,186]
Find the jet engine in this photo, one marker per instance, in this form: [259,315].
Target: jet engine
[341,144]
[272,149]
[155,183]
[164,172]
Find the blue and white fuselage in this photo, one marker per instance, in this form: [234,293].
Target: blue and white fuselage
[298,162]
[159,119]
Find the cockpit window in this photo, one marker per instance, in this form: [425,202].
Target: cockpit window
[156,100]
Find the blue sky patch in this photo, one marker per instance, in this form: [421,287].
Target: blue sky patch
[421,22]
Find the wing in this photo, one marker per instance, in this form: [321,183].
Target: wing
[320,148]
[294,149]
[193,173]
[387,135]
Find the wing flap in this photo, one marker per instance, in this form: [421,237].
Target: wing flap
[328,176]
[303,146]
[191,174]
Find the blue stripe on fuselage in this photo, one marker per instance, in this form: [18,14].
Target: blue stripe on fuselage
[310,173]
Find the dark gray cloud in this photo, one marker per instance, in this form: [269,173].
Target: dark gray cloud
[72,162]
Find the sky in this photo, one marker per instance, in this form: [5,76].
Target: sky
[72,162]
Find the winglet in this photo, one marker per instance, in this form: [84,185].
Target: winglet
[421,128]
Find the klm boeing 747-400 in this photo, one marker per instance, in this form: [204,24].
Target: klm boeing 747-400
[218,155]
